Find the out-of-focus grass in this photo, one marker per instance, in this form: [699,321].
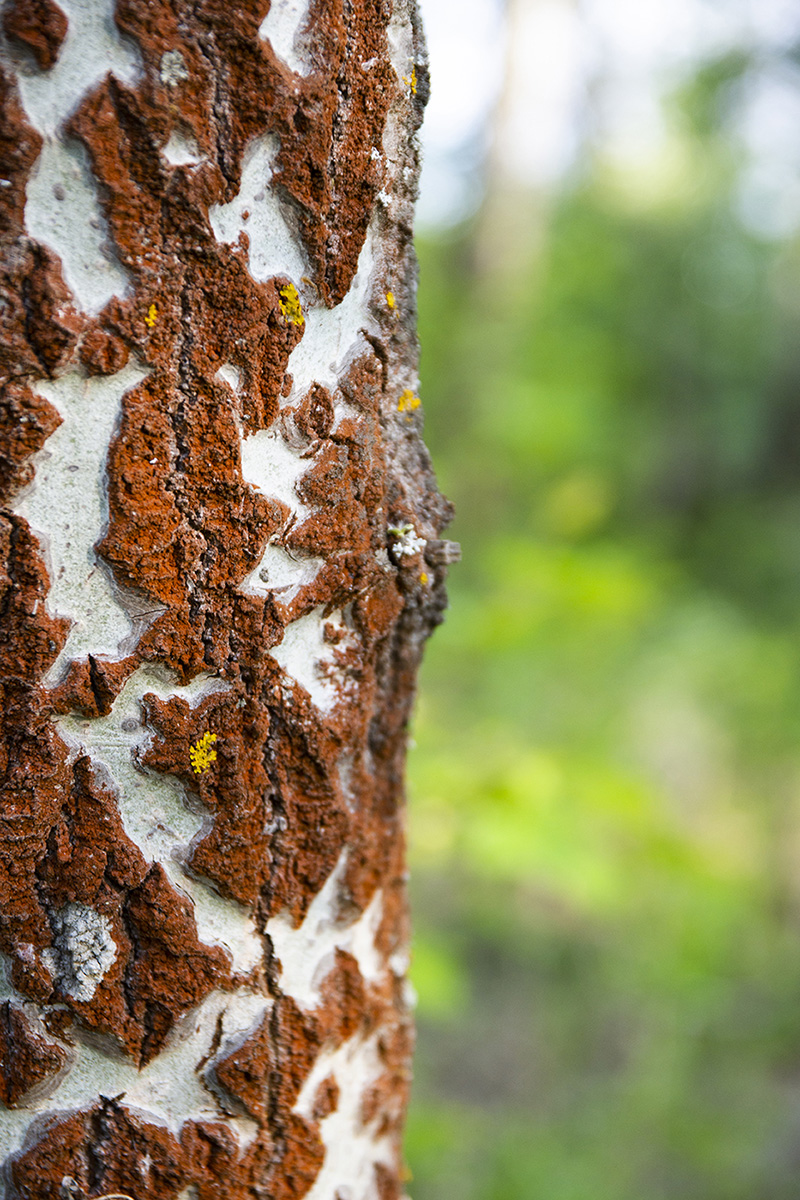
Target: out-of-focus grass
[605,814]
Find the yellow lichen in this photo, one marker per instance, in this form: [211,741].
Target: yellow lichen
[423,578]
[408,401]
[291,307]
[411,81]
[202,753]
[390,299]
[150,319]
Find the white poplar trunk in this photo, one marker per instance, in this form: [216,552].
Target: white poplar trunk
[269,963]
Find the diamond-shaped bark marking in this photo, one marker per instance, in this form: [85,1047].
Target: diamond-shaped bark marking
[243,1070]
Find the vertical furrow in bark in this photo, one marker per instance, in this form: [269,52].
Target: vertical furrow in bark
[220,561]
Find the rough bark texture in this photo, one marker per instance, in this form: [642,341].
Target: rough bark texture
[220,561]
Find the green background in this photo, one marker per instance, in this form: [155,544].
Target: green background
[605,787]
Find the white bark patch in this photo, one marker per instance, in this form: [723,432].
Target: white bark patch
[83,950]
[66,507]
[167,1091]
[154,808]
[282,27]
[309,658]
[181,150]
[332,336]
[62,211]
[275,248]
[279,572]
[231,375]
[351,1148]
[306,954]
[270,464]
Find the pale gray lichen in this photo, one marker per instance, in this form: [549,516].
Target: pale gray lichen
[173,68]
[408,542]
[83,950]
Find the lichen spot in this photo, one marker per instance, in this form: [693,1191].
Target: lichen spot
[173,68]
[408,542]
[203,754]
[411,81]
[390,300]
[408,402]
[150,319]
[291,307]
[82,952]
[424,578]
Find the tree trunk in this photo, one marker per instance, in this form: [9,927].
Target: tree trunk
[221,561]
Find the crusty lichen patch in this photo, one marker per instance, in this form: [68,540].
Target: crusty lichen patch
[291,307]
[83,950]
[202,754]
[408,402]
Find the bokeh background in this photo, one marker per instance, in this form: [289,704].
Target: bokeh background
[605,786]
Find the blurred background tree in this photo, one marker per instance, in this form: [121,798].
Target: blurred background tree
[605,820]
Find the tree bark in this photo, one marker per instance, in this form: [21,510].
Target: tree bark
[221,559]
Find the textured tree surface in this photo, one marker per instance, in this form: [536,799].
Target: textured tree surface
[220,561]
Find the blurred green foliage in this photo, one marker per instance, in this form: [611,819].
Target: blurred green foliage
[605,817]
